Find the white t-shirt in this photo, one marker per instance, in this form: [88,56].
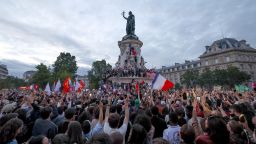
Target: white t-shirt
[172,134]
[108,130]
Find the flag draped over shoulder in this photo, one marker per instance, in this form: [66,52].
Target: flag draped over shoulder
[161,83]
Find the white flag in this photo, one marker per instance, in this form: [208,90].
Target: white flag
[57,87]
[47,89]
[77,85]
[31,87]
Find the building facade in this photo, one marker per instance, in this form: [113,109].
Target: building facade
[3,71]
[28,75]
[221,54]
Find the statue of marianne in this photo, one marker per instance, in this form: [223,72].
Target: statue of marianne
[130,25]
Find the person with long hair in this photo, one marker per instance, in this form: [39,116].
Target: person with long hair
[72,135]
[138,135]
[10,130]
[216,132]
[237,134]
[40,139]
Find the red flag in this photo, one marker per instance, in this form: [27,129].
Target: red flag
[134,52]
[137,87]
[82,85]
[66,85]
[27,87]
[36,87]
[253,84]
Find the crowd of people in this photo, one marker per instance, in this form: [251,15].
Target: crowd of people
[130,72]
[187,116]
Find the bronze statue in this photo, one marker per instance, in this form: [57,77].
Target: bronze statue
[130,25]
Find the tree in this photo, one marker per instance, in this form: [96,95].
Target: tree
[206,79]
[220,77]
[98,72]
[177,86]
[64,66]
[235,76]
[42,75]
[11,82]
[190,78]
[228,77]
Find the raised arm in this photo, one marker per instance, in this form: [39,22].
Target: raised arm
[124,16]
[107,109]
[101,120]
[195,122]
[126,107]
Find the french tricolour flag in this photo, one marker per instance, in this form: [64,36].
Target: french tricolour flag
[161,83]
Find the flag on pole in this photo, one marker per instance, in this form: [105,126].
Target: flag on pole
[57,86]
[81,85]
[253,85]
[241,88]
[161,83]
[54,84]
[36,87]
[66,85]
[48,89]
[137,87]
[31,87]
[77,85]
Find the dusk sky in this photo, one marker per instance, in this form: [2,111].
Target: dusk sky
[35,31]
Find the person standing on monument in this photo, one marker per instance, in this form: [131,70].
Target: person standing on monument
[130,25]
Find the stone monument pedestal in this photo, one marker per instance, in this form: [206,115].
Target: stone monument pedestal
[130,65]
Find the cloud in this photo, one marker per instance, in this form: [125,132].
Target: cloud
[17,68]
[171,31]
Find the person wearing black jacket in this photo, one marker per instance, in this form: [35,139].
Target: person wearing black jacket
[159,124]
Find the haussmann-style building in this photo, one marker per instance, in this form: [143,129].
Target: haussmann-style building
[221,54]
[3,71]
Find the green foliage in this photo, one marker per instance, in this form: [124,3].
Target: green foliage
[236,77]
[42,75]
[98,72]
[11,82]
[190,78]
[206,79]
[221,77]
[64,66]
[177,86]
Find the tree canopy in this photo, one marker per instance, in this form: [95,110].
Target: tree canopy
[42,75]
[11,82]
[64,66]
[190,78]
[98,72]
[222,77]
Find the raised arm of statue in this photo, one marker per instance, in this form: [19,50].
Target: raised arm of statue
[124,16]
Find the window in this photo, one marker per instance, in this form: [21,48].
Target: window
[216,61]
[250,66]
[206,63]
[241,66]
[227,59]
